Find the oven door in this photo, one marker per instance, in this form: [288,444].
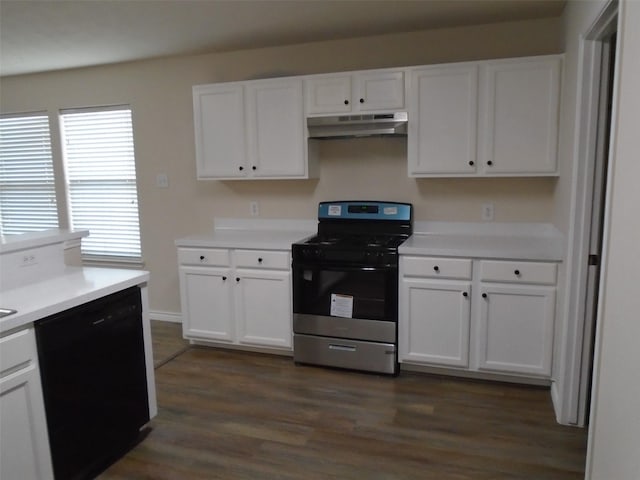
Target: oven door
[350,292]
[349,302]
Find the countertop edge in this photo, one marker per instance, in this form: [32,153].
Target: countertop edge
[15,243]
[94,287]
[245,238]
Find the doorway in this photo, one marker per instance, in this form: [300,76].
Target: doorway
[599,188]
[596,81]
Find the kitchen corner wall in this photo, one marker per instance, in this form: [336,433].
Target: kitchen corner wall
[159,92]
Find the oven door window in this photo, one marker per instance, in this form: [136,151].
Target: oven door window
[365,293]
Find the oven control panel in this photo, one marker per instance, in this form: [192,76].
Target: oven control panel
[365,210]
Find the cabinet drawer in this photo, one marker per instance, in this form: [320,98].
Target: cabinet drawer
[16,349]
[262,259]
[203,256]
[434,267]
[518,272]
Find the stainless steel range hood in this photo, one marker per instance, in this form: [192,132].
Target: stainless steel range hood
[349,126]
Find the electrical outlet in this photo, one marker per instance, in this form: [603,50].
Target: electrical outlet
[487,212]
[162,180]
[253,209]
[29,259]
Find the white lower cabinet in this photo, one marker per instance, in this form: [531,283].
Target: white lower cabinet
[478,315]
[23,435]
[247,301]
[436,329]
[516,316]
[263,307]
[515,330]
[207,303]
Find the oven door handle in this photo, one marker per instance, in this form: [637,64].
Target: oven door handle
[343,348]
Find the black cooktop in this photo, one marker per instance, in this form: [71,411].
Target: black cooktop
[356,241]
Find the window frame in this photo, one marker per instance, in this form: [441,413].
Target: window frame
[91,257]
[46,182]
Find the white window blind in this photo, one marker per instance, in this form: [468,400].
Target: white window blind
[101,178]
[27,187]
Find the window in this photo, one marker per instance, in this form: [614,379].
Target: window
[101,180]
[27,187]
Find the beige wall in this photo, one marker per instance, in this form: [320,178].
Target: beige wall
[159,92]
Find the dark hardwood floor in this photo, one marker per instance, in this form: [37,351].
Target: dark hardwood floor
[237,415]
[167,341]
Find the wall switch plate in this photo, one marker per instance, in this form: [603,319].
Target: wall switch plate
[253,209]
[162,180]
[487,212]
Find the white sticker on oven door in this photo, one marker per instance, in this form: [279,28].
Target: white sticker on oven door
[390,210]
[341,305]
[335,210]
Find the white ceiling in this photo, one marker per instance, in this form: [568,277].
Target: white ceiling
[37,35]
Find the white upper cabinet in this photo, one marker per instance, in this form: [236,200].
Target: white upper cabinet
[277,142]
[250,130]
[443,105]
[486,118]
[357,92]
[492,118]
[219,121]
[519,116]
[328,94]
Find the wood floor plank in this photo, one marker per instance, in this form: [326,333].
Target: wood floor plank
[167,341]
[238,415]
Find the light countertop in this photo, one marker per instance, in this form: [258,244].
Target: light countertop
[75,286]
[256,234]
[540,242]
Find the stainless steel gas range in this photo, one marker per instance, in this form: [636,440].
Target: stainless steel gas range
[345,286]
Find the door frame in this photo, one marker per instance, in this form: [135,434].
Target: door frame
[571,401]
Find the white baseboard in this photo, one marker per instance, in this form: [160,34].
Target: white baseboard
[454,372]
[557,403]
[172,317]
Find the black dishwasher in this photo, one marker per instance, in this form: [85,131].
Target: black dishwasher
[94,382]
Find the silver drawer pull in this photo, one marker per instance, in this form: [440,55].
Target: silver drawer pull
[344,348]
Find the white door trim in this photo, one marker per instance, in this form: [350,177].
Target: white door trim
[570,405]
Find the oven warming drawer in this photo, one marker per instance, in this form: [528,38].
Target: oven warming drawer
[344,353]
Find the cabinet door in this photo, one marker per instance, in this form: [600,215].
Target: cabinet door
[519,121]
[276,128]
[219,125]
[434,320]
[443,120]
[516,329]
[264,308]
[328,94]
[379,91]
[206,299]
[25,446]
